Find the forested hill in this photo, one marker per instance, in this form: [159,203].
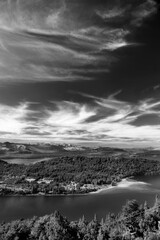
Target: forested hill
[83,169]
[134,222]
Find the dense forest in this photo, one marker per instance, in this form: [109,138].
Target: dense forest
[78,169]
[133,222]
[87,170]
[83,169]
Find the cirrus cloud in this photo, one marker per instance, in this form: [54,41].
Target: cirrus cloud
[59,40]
[70,121]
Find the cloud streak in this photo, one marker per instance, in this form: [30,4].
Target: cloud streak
[59,40]
[106,120]
[56,50]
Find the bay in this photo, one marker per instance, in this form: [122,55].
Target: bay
[75,206]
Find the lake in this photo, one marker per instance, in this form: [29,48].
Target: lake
[74,207]
[26,161]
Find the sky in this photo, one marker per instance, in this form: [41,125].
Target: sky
[80,71]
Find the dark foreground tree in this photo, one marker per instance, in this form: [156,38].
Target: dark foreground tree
[134,222]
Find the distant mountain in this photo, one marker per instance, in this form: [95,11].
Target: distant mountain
[13,150]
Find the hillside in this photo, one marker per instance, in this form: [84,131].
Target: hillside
[71,174]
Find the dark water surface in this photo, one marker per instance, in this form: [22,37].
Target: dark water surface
[73,207]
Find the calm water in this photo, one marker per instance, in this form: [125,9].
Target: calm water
[26,161]
[74,207]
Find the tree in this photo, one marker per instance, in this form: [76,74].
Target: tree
[103,233]
[82,227]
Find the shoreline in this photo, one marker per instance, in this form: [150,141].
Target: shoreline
[95,191]
[123,184]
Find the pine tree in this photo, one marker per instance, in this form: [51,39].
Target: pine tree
[157,203]
[145,205]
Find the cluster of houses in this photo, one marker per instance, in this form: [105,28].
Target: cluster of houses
[19,185]
[72,186]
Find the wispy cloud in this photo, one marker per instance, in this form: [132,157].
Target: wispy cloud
[134,12]
[73,41]
[111,13]
[142,11]
[105,120]
[59,40]
[12,119]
